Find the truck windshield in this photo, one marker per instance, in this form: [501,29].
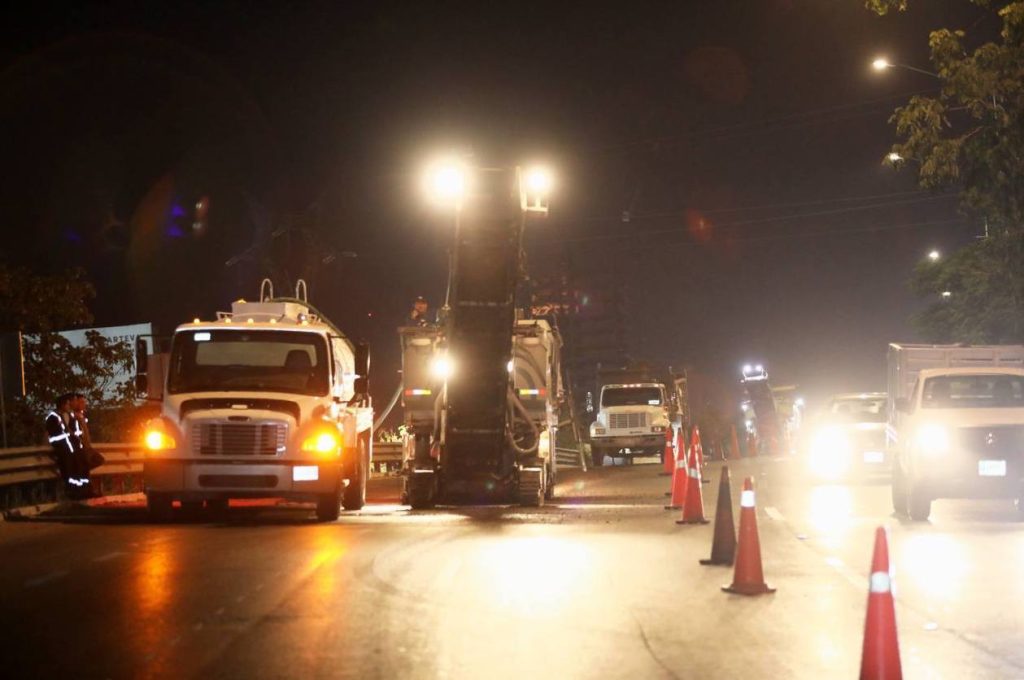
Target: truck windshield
[859,410]
[248,361]
[974,391]
[631,396]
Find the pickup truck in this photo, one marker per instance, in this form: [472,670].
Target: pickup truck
[959,434]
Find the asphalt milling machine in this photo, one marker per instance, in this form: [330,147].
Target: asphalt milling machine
[481,388]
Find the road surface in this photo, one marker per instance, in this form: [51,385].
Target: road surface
[600,584]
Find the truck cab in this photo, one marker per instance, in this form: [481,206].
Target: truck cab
[270,400]
[632,420]
[960,434]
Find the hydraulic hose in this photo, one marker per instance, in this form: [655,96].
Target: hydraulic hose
[387,409]
[516,405]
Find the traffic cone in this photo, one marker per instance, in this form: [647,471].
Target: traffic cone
[880,659]
[669,462]
[693,508]
[748,578]
[680,482]
[734,450]
[723,547]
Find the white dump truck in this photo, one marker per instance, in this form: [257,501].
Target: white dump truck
[636,412]
[269,400]
[956,424]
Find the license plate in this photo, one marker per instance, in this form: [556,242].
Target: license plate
[874,457]
[305,473]
[992,468]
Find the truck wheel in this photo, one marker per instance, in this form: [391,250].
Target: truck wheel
[354,496]
[159,506]
[419,491]
[919,503]
[596,456]
[899,490]
[328,507]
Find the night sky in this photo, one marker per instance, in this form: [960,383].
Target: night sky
[742,140]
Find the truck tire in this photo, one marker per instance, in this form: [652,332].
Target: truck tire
[328,507]
[354,496]
[899,490]
[159,506]
[419,491]
[596,456]
[919,503]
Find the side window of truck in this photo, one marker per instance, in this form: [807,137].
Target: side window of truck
[343,370]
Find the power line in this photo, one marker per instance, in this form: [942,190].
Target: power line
[749,222]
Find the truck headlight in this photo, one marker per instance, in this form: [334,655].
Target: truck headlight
[323,443]
[830,453]
[158,440]
[932,439]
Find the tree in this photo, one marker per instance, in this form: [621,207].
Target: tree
[37,306]
[970,137]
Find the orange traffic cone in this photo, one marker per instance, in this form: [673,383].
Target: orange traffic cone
[693,508]
[880,659]
[669,461]
[723,546]
[748,578]
[734,448]
[680,482]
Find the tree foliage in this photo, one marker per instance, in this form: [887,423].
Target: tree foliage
[970,137]
[37,306]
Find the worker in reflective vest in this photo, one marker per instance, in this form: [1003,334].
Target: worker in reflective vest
[66,450]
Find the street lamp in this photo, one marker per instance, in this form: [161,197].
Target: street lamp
[893,157]
[934,256]
[882,64]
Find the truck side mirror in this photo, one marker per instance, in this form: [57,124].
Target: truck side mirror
[362,360]
[141,366]
[902,405]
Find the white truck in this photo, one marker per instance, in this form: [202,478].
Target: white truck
[635,415]
[956,424]
[269,400]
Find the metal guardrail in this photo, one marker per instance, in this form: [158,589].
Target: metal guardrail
[28,475]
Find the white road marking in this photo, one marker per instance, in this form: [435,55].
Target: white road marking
[108,556]
[774,513]
[45,578]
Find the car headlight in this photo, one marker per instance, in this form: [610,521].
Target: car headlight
[932,439]
[323,443]
[829,456]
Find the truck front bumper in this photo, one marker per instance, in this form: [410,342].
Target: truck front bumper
[633,442]
[186,479]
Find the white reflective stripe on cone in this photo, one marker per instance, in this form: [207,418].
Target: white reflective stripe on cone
[747,499]
[880,582]
[680,463]
[694,473]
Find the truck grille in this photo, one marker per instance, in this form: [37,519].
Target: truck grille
[239,439]
[621,421]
